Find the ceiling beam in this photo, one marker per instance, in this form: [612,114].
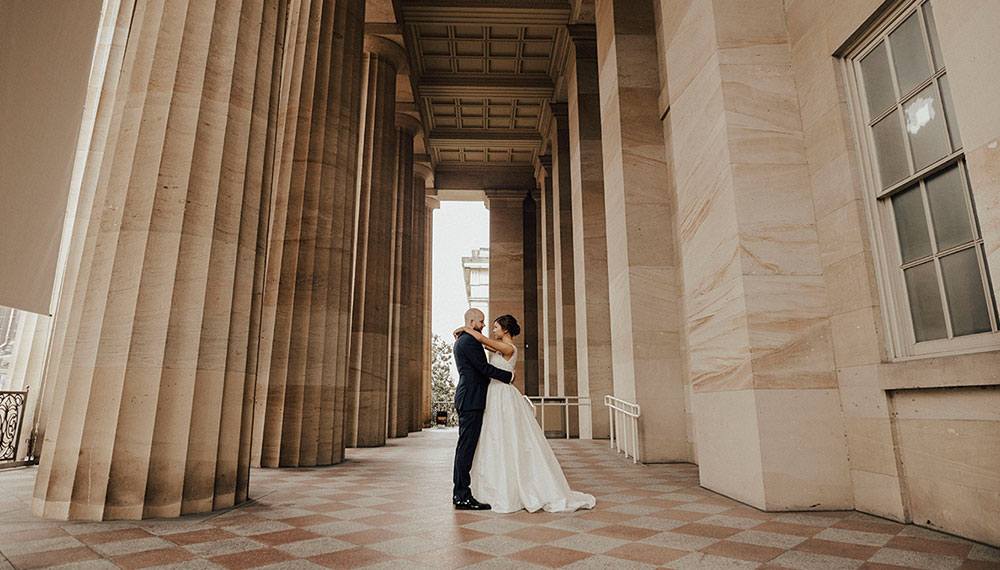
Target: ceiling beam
[511,86]
[523,12]
[484,137]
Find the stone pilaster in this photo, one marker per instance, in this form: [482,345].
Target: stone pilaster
[755,311]
[305,254]
[151,387]
[642,280]
[590,244]
[367,390]
[402,353]
[507,262]
[562,234]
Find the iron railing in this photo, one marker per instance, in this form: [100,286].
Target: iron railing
[564,402]
[624,418]
[12,405]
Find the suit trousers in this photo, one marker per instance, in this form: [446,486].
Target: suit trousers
[470,423]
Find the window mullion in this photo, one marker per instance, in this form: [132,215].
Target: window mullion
[944,297]
[984,279]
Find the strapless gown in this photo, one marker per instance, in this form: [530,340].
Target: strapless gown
[514,467]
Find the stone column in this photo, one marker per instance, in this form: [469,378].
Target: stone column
[590,244]
[549,360]
[423,177]
[529,321]
[299,414]
[152,391]
[403,287]
[507,262]
[540,316]
[768,414]
[642,281]
[367,391]
[565,287]
[432,203]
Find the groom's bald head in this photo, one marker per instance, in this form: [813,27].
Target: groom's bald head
[475,318]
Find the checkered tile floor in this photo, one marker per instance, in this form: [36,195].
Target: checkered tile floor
[390,508]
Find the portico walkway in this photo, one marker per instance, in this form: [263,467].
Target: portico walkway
[389,508]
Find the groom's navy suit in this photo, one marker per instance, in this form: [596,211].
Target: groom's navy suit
[474,374]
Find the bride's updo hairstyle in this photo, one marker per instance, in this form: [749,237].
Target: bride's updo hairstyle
[509,324]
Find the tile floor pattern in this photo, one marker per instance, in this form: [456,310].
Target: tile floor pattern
[389,508]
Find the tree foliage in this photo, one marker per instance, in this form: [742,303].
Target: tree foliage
[442,383]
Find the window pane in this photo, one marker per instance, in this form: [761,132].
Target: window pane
[911,224]
[878,83]
[963,284]
[909,55]
[933,37]
[889,149]
[925,302]
[949,112]
[925,127]
[949,211]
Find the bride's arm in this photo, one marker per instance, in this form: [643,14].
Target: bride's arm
[491,344]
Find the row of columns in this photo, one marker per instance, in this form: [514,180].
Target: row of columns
[599,291]
[249,264]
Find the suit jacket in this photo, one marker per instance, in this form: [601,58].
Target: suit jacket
[474,374]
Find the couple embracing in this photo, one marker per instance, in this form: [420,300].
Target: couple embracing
[502,454]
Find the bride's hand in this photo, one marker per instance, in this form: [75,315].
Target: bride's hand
[458,331]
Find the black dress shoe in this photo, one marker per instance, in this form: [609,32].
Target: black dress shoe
[471,505]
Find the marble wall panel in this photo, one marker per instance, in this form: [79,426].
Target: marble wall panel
[947,445]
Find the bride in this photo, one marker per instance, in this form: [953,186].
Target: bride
[514,467]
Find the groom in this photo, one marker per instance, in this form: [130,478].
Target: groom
[474,375]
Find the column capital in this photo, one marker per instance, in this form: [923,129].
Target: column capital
[424,171]
[543,166]
[432,202]
[408,124]
[386,50]
[503,198]
[584,39]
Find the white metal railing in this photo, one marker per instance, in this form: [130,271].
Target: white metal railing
[564,402]
[530,403]
[624,426]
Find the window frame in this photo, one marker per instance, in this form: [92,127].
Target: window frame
[901,343]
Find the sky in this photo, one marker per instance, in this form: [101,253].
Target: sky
[459,228]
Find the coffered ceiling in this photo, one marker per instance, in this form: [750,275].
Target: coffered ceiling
[484,74]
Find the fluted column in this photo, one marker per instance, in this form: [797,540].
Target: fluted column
[299,415]
[369,359]
[507,262]
[562,234]
[590,244]
[403,287]
[152,390]
[423,177]
[432,203]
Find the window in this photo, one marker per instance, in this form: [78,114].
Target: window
[935,282]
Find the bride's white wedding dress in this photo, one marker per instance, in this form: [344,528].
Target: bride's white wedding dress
[514,467]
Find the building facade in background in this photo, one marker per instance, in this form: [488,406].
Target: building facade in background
[476,271]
